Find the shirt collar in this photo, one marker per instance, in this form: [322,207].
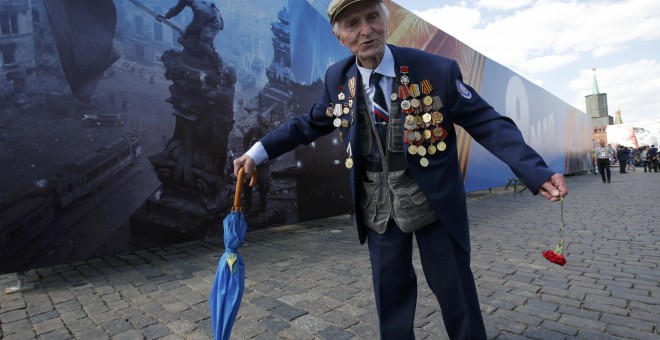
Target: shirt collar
[386,66]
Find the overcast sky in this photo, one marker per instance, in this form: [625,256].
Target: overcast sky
[557,43]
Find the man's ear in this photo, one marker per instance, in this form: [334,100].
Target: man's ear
[338,38]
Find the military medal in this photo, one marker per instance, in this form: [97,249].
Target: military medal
[437,117]
[431,149]
[393,96]
[336,122]
[405,105]
[341,94]
[349,160]
[350,102]
[427,134]
[346,110]
[426,117]
[404,77]
[329,112]
[442,146]
[412,149]
[424,162]
[344,123]
[338,110]
[421,150]
[414,103]
[437,103]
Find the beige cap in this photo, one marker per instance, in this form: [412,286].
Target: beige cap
[336,6]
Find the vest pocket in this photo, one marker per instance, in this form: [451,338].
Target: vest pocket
[395,136]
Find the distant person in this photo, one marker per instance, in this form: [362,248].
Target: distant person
[622,155]
[642,158]
[604,156]
[632,157]
[652,157]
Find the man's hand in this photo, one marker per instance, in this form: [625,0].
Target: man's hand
[246,162]
[554,188]
[160,18]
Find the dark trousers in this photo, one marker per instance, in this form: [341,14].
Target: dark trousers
[603,168]
[622,166]
[447,270]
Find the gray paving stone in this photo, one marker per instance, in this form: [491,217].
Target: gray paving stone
[609,289]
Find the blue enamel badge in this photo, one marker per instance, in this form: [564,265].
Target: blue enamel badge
[463,90]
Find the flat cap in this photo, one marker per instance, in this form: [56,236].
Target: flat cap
[336,6]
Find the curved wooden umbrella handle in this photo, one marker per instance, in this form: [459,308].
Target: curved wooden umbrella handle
[239,187]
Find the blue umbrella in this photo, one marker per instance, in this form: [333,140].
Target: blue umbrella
[229,280]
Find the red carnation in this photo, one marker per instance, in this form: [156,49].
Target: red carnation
[557,256]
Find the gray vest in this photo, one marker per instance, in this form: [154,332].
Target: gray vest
[388,190]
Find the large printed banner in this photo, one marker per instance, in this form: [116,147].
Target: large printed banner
[118,127]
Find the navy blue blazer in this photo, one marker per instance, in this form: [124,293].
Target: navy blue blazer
[442,180]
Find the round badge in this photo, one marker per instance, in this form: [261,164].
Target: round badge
[418,136]
[336,122]
[349,163]
[424,162]
[426,117]
[344,123]
[437,117]
[412,149]
[393,96]
[437,132]
[405,105]
[414,103]
[428,100]
[431,149]
[410,120]
[442,146]
[421,151]
[418,120]
[346,110]
[427,134]
[410,135]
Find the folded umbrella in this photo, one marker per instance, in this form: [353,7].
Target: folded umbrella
[229,280]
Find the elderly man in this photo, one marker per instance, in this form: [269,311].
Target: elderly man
[403,164]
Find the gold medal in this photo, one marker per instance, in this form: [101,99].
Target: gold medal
[442,146]
[419,120]
[437,117]
[428,100]
[412,149]
[349,163]
[424,162]
[427,134]
[421,150]
[426,117]
[336,122]
[344,123]
[410,120]
[432,149]
[418,136]
[346,110]
[414,103]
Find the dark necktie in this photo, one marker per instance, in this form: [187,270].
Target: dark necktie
[380,105]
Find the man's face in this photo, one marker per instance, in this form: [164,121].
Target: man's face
[362,29]
[601,142]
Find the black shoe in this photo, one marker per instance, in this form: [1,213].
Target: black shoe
[609,182]
[603,181]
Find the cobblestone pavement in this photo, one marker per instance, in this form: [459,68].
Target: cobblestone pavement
[312,280]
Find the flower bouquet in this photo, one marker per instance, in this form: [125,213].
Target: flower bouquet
[557,256]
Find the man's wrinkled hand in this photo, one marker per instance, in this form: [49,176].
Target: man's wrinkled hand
[246,162]
[554,188]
